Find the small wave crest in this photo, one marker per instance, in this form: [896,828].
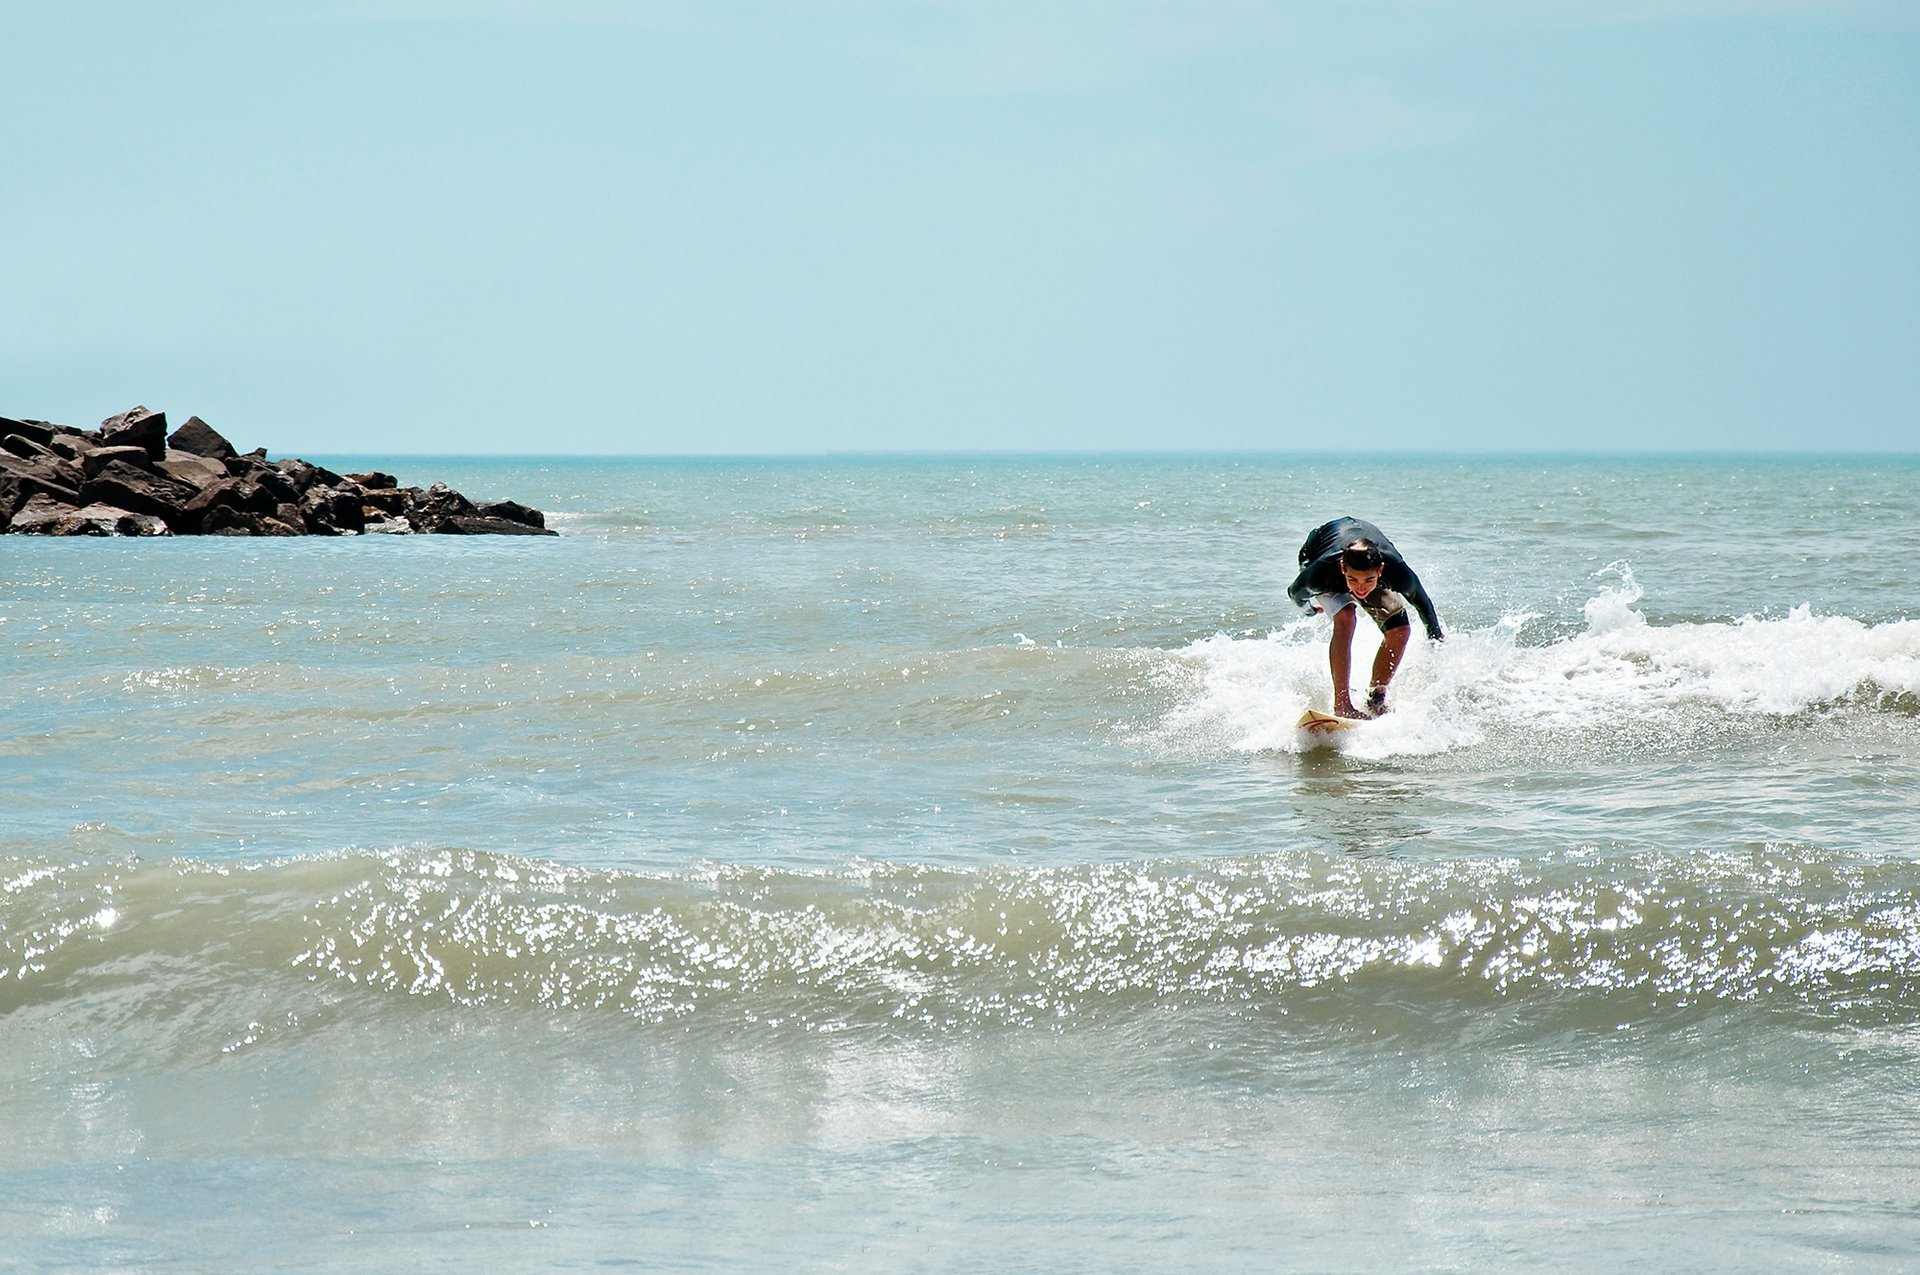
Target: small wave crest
[1680,679]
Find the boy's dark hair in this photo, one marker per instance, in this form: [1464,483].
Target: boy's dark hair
[1361,555]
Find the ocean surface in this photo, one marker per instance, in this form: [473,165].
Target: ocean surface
[911,864]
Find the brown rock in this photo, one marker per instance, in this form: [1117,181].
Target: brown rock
[431,509]
[36,514]
[225,521]
[92,462]
[53,468]
[228,521]
[21,479]
[257,471]
[138,427]
[30,449]
[305,474]
[15,492]
[385,500]
[189,467]
[13,496]
[222,493]
[201,439]
[512,511]
[480,525]
[39,431]
[331,512]
[72,447]
[125,487]
[229,493]
[43,516]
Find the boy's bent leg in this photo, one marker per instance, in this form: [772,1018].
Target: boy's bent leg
[1393,644]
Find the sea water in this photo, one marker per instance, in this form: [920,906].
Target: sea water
[902,864]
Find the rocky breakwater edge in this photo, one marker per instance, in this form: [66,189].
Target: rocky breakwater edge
[130,477]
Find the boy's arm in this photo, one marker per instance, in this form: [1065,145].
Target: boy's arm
[1416,593]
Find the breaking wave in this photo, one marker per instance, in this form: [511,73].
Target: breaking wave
[1684,680]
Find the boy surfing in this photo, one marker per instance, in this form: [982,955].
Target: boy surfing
[1347,566]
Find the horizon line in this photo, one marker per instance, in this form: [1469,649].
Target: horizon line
[1164,453]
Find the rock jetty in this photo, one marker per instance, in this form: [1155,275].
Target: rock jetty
[130,477]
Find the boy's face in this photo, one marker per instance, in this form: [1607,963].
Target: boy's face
[1360,583]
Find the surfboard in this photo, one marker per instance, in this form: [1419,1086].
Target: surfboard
[1321,724]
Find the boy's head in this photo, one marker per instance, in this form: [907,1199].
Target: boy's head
[1360,563]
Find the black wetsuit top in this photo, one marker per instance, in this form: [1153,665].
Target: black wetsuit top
[1320,569]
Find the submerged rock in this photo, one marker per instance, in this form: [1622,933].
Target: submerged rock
[130,478]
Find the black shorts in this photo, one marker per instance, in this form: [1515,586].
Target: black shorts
[1386,608]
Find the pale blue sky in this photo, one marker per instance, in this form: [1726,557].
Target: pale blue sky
[830,225]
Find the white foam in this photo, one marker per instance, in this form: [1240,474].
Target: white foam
[1245,695]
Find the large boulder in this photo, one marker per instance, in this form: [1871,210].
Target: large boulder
[511,511]
[201,439]
[388,502]
[32,449]
[76,447]
[329,511]
[44,516]
[47,466]
[304,474]
[229,493]
[13,495]
[37,514]
[39,431]
[432,509]
[123,486]
[190,467]
[15,492]
[222,493]
[21,480]
[139,427]
[93,461]
[258,472]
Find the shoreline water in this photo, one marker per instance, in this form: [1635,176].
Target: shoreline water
[907,864]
